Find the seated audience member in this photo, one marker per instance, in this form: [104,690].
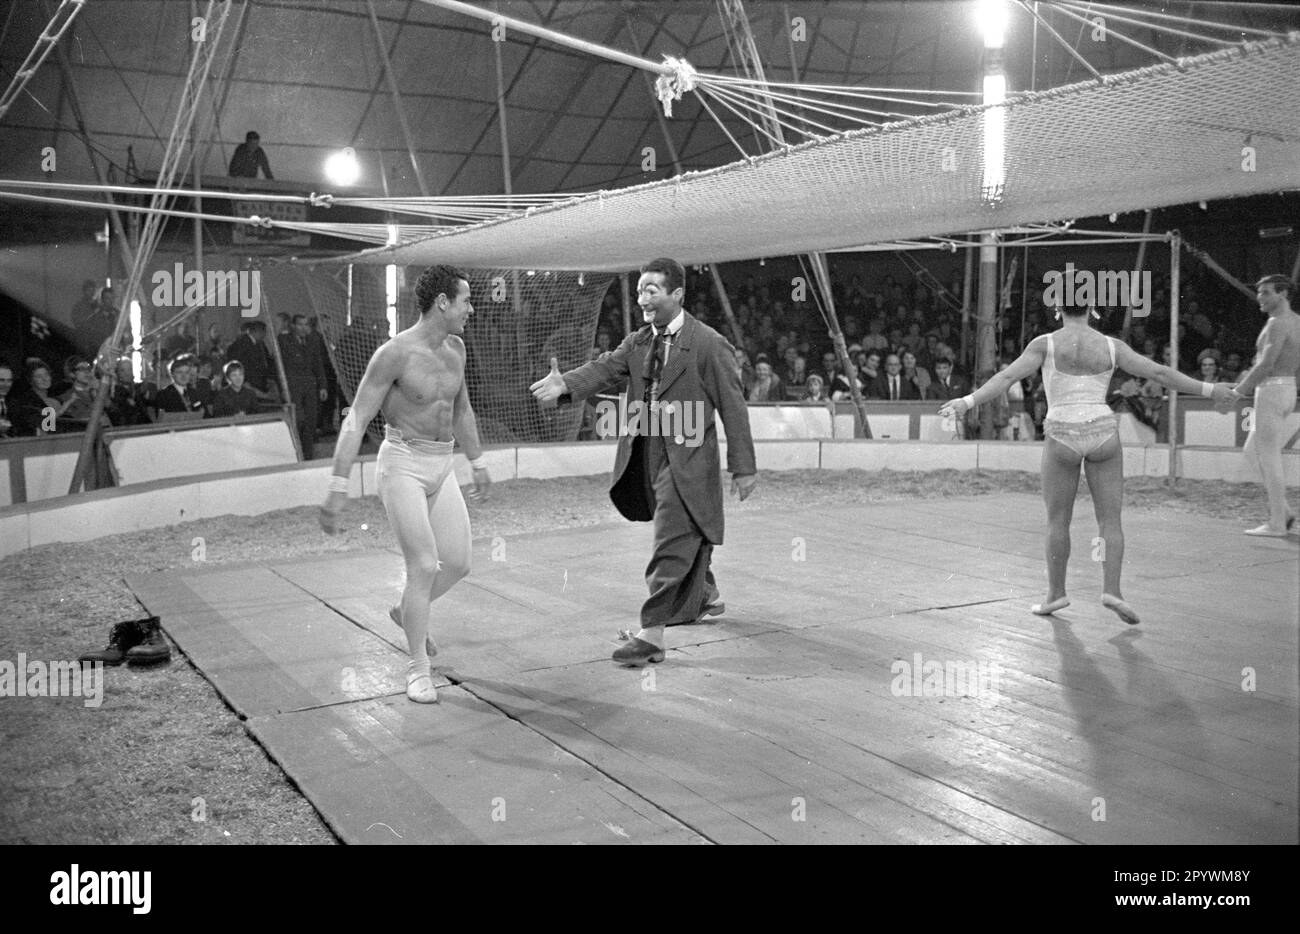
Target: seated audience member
[839,384]
[1167,356]
[213,349]
[128,404]
[35,406]
[236,397]
[1209,366]
[767,385]
[875,338]
[913,340]
[202,384]
[796,378]
[259,368]
[815,390]
[946,352]
[930,352]
[79,401]
[746,369]
[869,372]
[1126,395]
[179,397]
[788,357]
[249,157]
[180,341]
[1232,367]
[1009,424]
[830,366]
[891,385]
[6,416]
[945,385]
[916,375]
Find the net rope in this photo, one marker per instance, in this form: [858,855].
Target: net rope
[519,323]
[1152,137]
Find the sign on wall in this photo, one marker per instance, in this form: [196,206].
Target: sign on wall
[250,235]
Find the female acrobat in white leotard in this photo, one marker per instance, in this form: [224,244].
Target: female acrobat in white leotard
[1077,363]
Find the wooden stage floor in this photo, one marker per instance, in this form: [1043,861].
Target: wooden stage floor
[812,713]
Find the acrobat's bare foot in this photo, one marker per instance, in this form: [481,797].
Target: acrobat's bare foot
[1120,609]
[1050,607]
[430,647]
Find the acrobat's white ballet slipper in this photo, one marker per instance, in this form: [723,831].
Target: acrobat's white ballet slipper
[1120,609]
[419,686]
[1047,609]
[1266,531]
[430,647]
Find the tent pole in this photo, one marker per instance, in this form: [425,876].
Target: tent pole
[984,324]
[91,435]
[966,284]
[397,98]
[1137,271]
[1175,254]
[532,29]
[197,171]
[508,188]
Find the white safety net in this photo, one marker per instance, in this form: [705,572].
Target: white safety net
[1220,125]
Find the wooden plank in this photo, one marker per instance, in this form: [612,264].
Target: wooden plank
[385,771]
[266,645]
[700,751]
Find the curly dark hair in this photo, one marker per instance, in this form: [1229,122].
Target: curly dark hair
[435,281]
[673,273]
[1279,282]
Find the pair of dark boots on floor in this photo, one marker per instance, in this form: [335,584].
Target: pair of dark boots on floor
[135,641]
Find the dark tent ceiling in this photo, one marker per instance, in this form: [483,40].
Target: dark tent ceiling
[309,77]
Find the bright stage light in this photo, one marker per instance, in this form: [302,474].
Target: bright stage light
[137,326]
[992,18]
[995,129]
[342,168]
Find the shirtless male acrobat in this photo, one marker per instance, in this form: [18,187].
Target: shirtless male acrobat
[417,379]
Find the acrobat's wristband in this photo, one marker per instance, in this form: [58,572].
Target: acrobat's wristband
[338,484]
[1207,389]
[478,463]
[969,400]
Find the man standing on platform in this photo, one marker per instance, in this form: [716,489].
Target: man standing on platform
[674,364]
[304,371]
[418,380]
[249,157]
[1273,381]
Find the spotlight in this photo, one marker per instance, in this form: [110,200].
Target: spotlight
[342,168]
